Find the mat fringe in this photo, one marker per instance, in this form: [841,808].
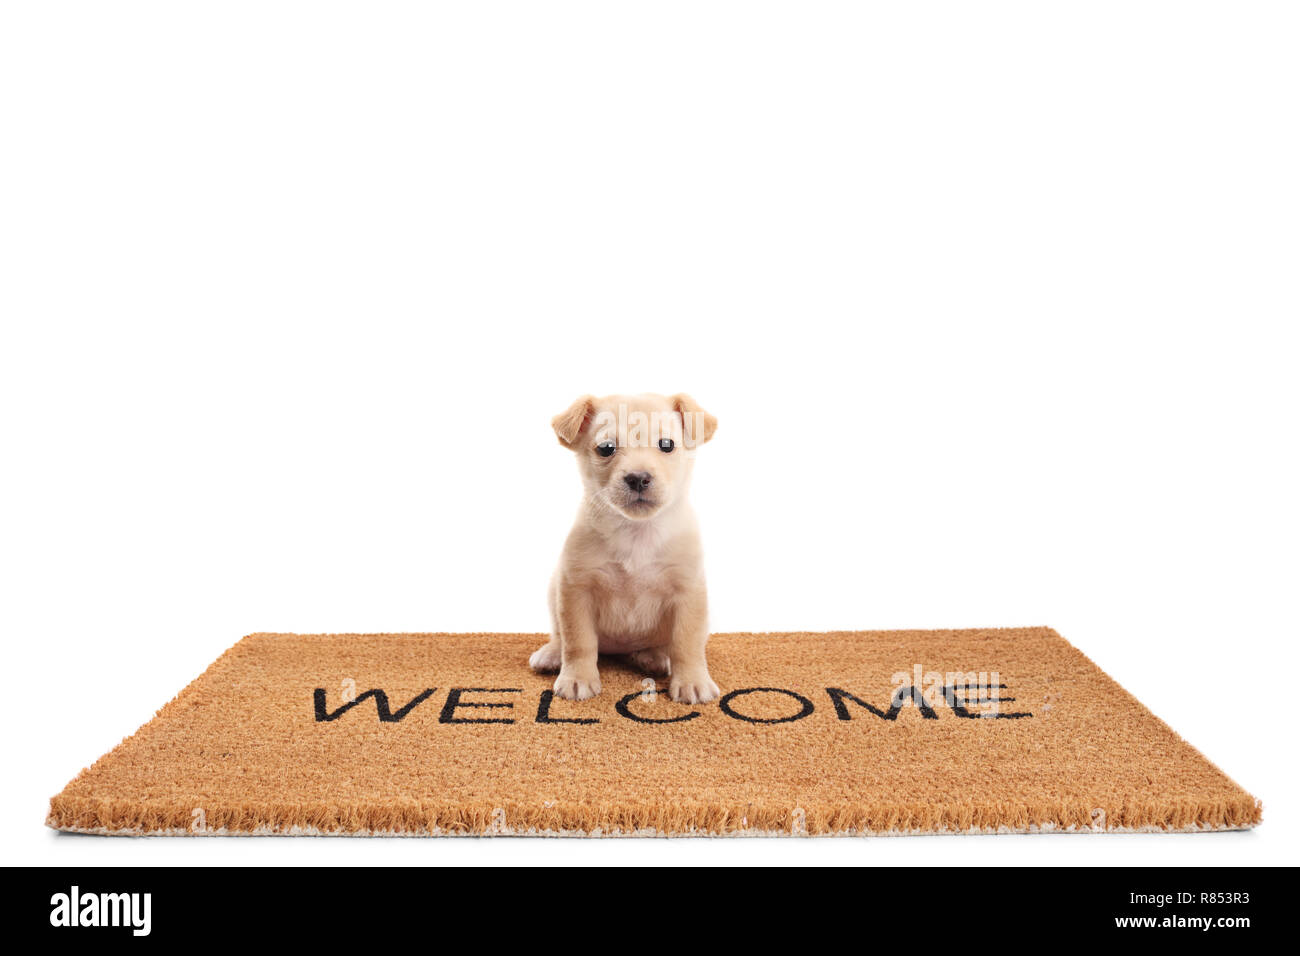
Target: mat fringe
[132,819]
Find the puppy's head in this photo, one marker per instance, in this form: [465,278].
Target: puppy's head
[635,452]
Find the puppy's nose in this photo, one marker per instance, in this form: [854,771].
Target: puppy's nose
[637,480]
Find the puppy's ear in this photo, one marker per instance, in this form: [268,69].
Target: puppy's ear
[569,423]
[698,425]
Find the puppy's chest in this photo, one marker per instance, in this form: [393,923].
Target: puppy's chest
[632,599]
[622,579]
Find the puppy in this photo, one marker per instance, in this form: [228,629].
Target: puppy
[630,579]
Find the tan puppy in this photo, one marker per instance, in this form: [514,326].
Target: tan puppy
[630,579]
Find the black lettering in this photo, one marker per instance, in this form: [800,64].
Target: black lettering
[448,715]
[838,697]
[959,706]
[623,708]
[381,705]
[916,696]
[544,712]
[725,705]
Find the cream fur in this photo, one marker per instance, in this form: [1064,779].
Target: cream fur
[630,578]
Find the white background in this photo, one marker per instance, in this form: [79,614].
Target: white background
[996,305]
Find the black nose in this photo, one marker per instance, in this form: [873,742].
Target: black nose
[637,480]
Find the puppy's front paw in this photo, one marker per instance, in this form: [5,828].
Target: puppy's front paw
[575,685]
[546,658]
[693,688]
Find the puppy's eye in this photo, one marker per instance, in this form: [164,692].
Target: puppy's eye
[666,445]
[606,448]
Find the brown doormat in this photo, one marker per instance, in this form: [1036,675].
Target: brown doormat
[878,732]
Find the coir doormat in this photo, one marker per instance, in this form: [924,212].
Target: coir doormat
[885,732]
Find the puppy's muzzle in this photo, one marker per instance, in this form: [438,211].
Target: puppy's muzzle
[638,481]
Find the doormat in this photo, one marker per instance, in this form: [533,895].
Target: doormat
[849,733]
